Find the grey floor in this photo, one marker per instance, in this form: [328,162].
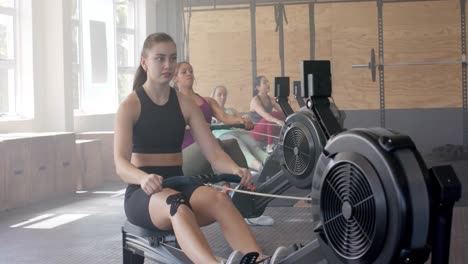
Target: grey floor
[96,237]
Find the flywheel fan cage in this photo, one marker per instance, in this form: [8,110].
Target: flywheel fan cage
[297,151]
[348,210]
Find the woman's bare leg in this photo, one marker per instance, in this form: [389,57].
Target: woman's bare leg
[211,205]
[184,223]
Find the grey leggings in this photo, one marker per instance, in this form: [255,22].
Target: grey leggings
[195,162]
[247,144]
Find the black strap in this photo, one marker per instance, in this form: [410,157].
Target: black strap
[175,200]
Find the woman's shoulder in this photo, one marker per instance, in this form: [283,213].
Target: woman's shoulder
[130,106]
[209,100]
[182,97]
[185,101]
[131,100]
[254,99]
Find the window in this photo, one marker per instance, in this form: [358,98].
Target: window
[126,52]
[104,55]
[8,56]
[76,40]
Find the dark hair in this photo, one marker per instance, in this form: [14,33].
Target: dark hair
[140,74]
[258,82]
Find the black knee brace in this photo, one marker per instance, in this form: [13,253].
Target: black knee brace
[175,200]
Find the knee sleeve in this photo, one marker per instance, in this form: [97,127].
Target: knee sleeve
[175,200]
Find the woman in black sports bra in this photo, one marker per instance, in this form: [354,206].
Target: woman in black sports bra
[149,129]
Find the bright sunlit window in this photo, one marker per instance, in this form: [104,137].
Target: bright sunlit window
[8,15]
[104,60]
[16,74]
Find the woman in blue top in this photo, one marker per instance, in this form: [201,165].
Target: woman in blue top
[254,155]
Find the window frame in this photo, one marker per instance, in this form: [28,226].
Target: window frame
[78,68]
[12,64]
[119,30]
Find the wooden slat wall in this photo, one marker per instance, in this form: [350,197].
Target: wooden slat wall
[426,31]
[220,53]
[345,34]
[351,31]
[296,42]
[268,61]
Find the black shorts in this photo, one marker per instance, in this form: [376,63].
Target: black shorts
[137,201]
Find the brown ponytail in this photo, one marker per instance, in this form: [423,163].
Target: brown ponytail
[152,39]
[140,77]
[258,82]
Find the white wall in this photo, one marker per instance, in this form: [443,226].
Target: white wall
[53,111]
[170,20]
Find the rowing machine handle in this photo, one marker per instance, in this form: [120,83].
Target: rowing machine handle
[186,180]
[218,127]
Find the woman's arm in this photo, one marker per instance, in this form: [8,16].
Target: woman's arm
[276,106]
[221,116]
[219,160]
[126,116]
[255,105]
[235,112]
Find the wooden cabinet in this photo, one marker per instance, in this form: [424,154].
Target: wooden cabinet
[2,177]
[42,167]
[89,157]
[107,148]
[66,163]
[17,174]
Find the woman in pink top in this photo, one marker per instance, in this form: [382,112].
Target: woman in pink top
[268,122]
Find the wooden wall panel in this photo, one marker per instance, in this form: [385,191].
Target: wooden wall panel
[353,33]
[323,31]
[423,87]
[345,34]
[418,32]
[220,54]
[268,59]
[296,43]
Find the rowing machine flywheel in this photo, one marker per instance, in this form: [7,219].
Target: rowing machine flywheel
[302,140]
[370,198]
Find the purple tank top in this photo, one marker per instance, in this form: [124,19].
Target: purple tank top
[206,110]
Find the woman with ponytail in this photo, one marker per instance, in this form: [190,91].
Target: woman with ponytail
[149,130]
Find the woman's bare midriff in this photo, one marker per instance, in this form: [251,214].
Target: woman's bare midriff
[160,159]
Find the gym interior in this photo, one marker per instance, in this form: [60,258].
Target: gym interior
[369,165]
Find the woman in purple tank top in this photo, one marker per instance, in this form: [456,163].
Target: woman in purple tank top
[267,121]
[183,80]
[194,162]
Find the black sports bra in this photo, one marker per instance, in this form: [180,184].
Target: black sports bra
[160,128]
